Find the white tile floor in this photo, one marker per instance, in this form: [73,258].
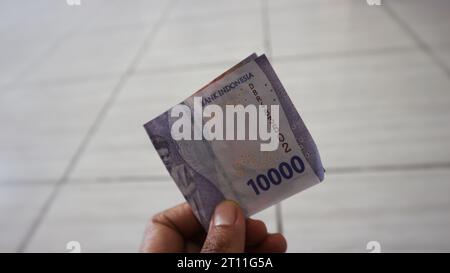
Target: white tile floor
[78,82]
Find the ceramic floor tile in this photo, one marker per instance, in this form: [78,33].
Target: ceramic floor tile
[17,56]
[121,146]
[42,126]
[103,217]
[19,207]
[380,110]
[443,52]
[29,39]
[190,9]
[39,19]
[92,54]
[222,39]
[107,217]
[428,19]
[304,4]
[117,13]
[333,27]
[403,211]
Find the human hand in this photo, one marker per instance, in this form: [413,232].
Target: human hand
[178,230]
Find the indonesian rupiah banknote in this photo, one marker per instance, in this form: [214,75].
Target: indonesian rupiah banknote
[208,170]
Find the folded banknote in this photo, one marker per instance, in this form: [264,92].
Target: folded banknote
[238,138]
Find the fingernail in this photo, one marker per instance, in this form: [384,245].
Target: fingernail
[225,213]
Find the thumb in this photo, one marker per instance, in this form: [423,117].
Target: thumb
[226,230]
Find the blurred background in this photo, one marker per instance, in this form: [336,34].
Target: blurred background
[79,78]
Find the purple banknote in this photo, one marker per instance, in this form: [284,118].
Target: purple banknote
[239,138]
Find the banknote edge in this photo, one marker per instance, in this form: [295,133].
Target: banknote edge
[266,67]
[246,60]
[279,89]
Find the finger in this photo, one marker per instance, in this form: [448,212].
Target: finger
[177,223]
[226,232]
[191,247]
[256,232]
[195,244]
[273,243]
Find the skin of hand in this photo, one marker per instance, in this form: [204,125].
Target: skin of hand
[178,230]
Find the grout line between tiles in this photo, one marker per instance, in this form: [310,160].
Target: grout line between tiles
[267,44]
[417,39]
[389,168]
[94,127]
[166,178]
[41,58]
[200,66]
[36,62]
[345,54]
